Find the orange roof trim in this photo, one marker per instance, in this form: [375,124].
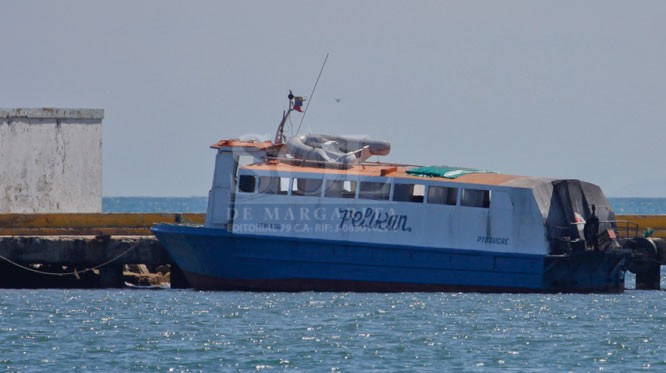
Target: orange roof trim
[242,144]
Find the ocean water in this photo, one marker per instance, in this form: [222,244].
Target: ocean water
[181,330]
[649,206]
[187,330]
[638,206]
[154,204]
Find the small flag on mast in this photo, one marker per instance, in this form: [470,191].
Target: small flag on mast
[298,102]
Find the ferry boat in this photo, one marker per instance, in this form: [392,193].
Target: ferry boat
[311,213]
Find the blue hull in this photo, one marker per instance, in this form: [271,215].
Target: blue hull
[214,259]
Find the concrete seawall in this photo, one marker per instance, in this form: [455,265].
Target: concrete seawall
[102,259]
[86,250]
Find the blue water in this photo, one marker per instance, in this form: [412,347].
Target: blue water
[154,204]
[186,330]
[177,330]
[198,204]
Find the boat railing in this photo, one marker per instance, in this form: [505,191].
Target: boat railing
[626,229]
[623,228]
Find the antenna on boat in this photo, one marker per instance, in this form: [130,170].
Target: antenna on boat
[295,103]
[312,94]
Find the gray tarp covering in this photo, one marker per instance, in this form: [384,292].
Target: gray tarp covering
[342,151]
[571,202]
[562,201]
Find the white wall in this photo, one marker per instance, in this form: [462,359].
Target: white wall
[50,160]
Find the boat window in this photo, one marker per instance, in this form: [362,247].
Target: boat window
[306,187]
[442,195]
[273,185]
[340,189]
[408,192]
[475,198]
[247,183]
[374,190]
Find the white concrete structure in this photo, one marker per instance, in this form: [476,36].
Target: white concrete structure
[50,160]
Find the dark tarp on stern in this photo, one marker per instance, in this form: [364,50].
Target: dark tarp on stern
[570,206]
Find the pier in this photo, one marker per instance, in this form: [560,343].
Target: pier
[115,250]
[86,250]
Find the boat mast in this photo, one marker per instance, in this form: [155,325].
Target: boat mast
[279,134]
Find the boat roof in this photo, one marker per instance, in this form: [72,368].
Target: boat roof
[400,171]
[480,177]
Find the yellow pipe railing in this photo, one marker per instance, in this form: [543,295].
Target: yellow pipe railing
[117,224]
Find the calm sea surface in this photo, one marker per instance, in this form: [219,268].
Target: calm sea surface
[199,204]
[185,330]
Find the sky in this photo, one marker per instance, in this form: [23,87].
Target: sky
[562,89]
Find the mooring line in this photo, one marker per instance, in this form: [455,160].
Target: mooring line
[75,273]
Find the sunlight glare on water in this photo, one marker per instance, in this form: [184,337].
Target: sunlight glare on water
[190,330]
